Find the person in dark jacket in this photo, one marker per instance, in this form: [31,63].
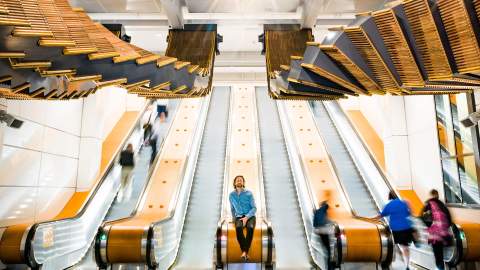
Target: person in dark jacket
[153,145]
[127,162]
[438,220]
[322,225]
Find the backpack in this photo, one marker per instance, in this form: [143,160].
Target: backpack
[320,216]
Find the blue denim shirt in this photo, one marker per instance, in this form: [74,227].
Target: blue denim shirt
[242,204]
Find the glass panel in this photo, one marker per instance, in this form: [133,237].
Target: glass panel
[456,150]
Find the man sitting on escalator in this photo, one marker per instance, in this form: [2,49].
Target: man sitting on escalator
[243,212]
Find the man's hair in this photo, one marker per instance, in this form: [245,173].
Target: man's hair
[392,195]
[434,193]
[235,180]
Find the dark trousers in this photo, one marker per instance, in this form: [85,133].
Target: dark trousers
[245,241]
[438,252]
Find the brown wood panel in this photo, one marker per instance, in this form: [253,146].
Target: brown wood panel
[469,220]
[233,249]
[125,243]
[10,244]
[363,243]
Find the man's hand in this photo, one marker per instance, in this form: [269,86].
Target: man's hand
[244,220]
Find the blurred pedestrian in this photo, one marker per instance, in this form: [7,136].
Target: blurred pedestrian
[399,216]
[162,109]
[322,226]
[127,162]
[438,220]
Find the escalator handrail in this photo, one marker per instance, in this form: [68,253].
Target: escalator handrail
[149,175]
[380,223]
[364,144]
[259,161]
[224,210]
[335,170]
[464,206]
[191,158]
[97,185]
[199,128]
[288,136]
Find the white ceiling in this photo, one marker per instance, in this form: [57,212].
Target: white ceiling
[238,21]
[242,6]
[226,6]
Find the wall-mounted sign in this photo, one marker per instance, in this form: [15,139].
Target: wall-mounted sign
[48,237]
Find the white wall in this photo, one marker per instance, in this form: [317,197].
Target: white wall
[407,126]
[39,161]
[56,152]
[423,145]
[100,114]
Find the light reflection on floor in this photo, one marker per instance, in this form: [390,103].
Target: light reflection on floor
[244,266]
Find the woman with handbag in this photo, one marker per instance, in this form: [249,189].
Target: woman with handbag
[438,220]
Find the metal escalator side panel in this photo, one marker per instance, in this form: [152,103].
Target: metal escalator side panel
[290,246]
[243,159]
[165,177]
[307,198]
[338,136]
[12,244]
[316,165]
[203,206]
[157,248]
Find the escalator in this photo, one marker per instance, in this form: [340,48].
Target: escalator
[205,197]
[150,234]
[243,158]
[357,190]
[59,243]
[128,196]
[371,187]
[282,203]
[355,241]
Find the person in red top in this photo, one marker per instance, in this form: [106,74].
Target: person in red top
[438,220]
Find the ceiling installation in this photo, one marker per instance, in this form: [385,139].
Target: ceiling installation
[414,47]
[50,50]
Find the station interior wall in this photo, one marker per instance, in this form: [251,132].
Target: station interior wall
[407,127]
[56,152]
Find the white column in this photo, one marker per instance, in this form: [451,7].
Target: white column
[173,9]
[310,11]
[423,145]
[395,139]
